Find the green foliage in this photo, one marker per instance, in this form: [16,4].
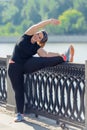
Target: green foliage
[17,15]
[72,21]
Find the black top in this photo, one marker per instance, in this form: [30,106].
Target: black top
[24,49]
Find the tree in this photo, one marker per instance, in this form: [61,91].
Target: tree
[18,15]
[72,21]
[34,15]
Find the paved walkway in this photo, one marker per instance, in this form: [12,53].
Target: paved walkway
[30,123]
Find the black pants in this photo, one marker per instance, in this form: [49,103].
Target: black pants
[16,74]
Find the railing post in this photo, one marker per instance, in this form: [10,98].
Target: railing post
[10,93]
[85,96]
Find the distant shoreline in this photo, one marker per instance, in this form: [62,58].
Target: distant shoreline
[51,39]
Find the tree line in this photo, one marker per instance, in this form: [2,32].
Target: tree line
[18,15]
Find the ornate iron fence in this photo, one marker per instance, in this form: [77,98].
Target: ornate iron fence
[3,86]
[58,93]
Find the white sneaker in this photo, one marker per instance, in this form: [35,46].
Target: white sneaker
[19,118]
[70,54]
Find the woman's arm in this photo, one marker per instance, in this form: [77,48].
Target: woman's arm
[42,53]
[33,29]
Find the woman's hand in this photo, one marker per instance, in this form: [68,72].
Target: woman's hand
[55,21]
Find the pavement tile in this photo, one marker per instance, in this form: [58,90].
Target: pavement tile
[30,123]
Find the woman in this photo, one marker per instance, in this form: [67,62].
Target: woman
[24,61]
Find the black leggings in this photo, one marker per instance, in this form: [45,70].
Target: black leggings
[16,74]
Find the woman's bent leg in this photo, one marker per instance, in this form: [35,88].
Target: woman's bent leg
[17,80]
[37,63]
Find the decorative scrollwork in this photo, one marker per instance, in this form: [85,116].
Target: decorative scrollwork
[59,91]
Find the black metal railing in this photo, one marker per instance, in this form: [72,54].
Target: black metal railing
[58,93]
[3,79]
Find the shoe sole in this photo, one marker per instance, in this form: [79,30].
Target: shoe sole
[71,53]
[19,120]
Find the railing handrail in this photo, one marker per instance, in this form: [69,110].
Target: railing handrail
[3,62]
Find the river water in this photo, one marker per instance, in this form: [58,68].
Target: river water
[80,50]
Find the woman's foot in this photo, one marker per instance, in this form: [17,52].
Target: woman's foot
[69,55]
[19,117]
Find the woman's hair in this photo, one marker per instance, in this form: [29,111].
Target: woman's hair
[45,37]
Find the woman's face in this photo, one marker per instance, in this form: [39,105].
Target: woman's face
[38,37]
